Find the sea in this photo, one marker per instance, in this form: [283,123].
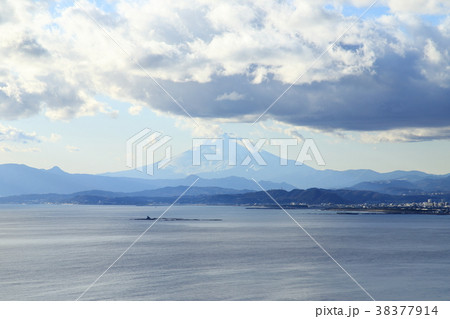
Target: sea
[56,252]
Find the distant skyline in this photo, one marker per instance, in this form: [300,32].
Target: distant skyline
[73,90]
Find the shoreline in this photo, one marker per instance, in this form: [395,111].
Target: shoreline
[386,211]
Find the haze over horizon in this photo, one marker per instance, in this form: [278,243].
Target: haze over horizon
[78,78]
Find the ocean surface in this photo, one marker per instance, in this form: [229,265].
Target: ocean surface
[50,252]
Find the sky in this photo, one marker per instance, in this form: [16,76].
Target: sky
[370,87]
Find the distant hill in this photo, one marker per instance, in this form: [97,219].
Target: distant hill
[170,191]
[398,187]
[165,192]
[312,196]
[218,196]
[18,179]
[435,184]
[395,187]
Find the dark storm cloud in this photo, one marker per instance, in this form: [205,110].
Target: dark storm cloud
[393,95]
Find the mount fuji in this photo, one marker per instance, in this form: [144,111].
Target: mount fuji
[299,176]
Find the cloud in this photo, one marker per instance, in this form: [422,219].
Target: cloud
[389,72]
[288,130]
[12,134]
[408,7]
[410,135]
[11,138]
[437,64]
[233,96]
[53,138]
[135,110]
[72,149]
[13,149]
[420,6]
[204,129]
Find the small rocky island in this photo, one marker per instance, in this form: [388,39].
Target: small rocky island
[180,219]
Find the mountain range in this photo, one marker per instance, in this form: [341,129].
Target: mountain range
[17,179]
[297,176]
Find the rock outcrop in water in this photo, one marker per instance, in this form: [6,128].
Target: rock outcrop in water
[180,219]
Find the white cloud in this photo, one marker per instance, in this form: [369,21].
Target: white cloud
[386,136]
[14,149]
[135,110]
[437,63]
[410,7]
[205,128]
[233,96]
[294,131]
[405,135]
[431,52]
[420,6]
[72,149]
[53,138]
[12,134]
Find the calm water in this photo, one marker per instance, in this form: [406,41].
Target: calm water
[56,252]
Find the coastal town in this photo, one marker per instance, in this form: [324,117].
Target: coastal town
[429,207]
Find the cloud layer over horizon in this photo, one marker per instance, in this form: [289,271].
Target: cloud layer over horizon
[231,60]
